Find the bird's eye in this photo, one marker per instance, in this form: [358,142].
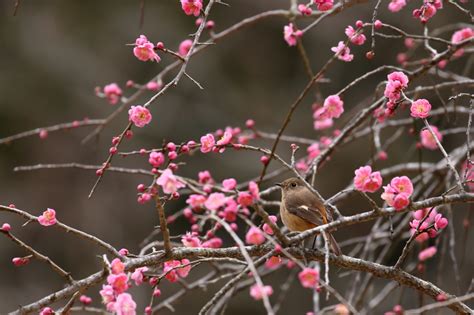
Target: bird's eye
[293,185]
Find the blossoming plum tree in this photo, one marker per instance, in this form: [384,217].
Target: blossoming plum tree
[415,208]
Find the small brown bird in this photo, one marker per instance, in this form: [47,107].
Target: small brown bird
[301,210]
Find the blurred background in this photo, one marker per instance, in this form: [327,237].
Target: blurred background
[53,55]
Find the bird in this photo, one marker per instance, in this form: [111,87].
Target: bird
[301,209]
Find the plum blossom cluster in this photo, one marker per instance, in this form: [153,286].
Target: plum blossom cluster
[114,294]
[397,82]
[355,35]
[175,269]
[429,227]
[321,5]
[367,181]
[225,137]
[397,194]
[427,10]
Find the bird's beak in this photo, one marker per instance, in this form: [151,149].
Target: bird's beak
[278,184]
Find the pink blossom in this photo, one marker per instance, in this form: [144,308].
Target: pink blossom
[254,190]
[117,266]
[125,305]
[273,262]
[309,277]
[153,86]
[291,34]
[191,240]
[169,268]
[229,184]
[440,222]
[397,81]
[427,253]
[333,107]
[169,182]
[205,177]
[460,36]
[301,165]
[378,24]
[427,10]
[191,7]
[214,242]
[396,5]
[402,184]
[257,292]
[144,50]
[427,139]
[47,311]
[48,217]
[184,47]
[266,228]
[420,108]
[138,276]
[225,139]
[107,294]
[184,271]
[43,134]
[400,201]
[156,159]
[244,199]
[84,299]
[254,236]
[207,143]
[313,150]
[112,92]
[139,115]
[196,201]
[324,5]
[304,10]
[321,124]
[230,211]
[5,227]
[397,193]
[118,282]
[343,52]
[367,181]
[20,261]
[215,201]
[355,37]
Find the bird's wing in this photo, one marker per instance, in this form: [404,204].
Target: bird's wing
[309,214]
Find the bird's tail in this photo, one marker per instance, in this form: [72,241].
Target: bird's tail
[333,245]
